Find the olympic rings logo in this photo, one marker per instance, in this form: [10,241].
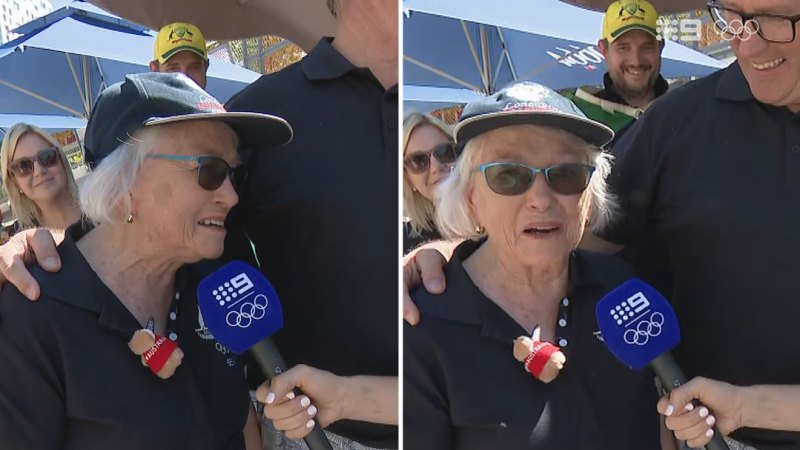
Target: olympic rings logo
[248,312]
[645,330]
[736,28]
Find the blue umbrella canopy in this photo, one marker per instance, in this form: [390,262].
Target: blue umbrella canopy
[453,46]
[66,58]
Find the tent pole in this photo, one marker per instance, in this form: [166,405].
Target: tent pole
[441,73]
[78,86]
[39,97]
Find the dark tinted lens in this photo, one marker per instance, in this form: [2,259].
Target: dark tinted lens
[21,167]
[508,179]
[47,158]
[568,179]
[212,173]
[445,153]
[418,162]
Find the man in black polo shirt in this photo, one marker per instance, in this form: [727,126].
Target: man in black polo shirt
[632,50]
[712,171]
[322,211]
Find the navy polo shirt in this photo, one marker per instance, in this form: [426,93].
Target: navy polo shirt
[322,212]
[69,380]
[714,175]
[464,390]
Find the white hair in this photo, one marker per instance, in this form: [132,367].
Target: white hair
[105,192]
[454,219]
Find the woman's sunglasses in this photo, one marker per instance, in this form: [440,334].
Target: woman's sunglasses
[23,167]
[507,178]
[211,170]
[421,161]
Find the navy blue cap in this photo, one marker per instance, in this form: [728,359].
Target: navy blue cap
[148,99]
[527,103]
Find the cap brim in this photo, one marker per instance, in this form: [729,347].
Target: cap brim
[616,34]
[255,130]
[590,131]
[172,52]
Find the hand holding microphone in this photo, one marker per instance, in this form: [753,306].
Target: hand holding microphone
[640,328]
[241,309]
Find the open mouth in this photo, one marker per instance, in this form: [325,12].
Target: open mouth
[216,224]
[542,231]
[770,64]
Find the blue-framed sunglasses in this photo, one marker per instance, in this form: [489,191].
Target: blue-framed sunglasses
[507,178]
[211,170]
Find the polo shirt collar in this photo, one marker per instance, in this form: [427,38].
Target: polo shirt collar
[733,85]
[474,308]
[324,62]
[93,295]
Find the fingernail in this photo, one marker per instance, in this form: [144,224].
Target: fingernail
[710,420]
[709,433]
[436,283]
[305,401]
[270,398]
[689,406]
[670,409]
[312,410]
[703,411]
[31,293]
[310,424]
[51,262]
[290,395]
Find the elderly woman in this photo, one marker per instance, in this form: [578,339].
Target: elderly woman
[157,201]
[38,179]
[529,181]
[428,157]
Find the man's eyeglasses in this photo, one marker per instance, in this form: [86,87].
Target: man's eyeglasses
[771,27]
[420,162]
[507,178]
[23,167]
[211,170]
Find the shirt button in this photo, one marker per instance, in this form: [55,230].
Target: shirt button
[391,123]
[172,315]
[795,149]
[565,302]
[177,296]
[173,337]
[562,322]
[562,342]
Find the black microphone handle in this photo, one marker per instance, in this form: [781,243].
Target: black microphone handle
[271,362]
[671,376]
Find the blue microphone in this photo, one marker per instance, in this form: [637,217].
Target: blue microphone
[640,328]
[241,309]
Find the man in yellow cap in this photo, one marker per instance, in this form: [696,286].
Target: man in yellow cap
[632,48]
[180,47]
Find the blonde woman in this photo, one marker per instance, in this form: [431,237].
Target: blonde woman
[38,179]
[428,156]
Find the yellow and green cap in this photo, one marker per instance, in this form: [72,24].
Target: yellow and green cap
[177,37]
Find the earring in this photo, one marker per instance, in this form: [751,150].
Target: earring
[130,218]
[480,230]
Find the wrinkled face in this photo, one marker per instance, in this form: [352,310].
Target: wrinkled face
[45,183]
[421,141]
[174,212]
[539,227]
[634,62]
[772,70]
[188,63]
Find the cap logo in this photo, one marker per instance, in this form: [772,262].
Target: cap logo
[180,32]
[210,105]
[633,10]
[529,106]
